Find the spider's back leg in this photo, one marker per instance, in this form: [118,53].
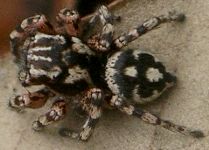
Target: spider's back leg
[145,27]
[102,42]
[150,118]
[56,113]
[91,103]
[30,100]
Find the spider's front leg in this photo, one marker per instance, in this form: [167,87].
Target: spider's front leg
[148,25]
[149,118]
[102,42]
[92,104]
[30,100]
[56,113]
[103,15]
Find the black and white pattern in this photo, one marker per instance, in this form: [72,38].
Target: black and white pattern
[137,76]
[95,70]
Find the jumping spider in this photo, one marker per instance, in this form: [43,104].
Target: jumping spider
[96,69]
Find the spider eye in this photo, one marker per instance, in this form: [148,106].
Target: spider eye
[35,20]
[69,13]
[73,12]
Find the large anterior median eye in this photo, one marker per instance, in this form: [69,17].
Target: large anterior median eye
[72,13]
[36,19]
[69,13]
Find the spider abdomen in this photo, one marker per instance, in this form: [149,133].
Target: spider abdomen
[137,75]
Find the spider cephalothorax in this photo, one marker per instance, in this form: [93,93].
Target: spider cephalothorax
[96,69]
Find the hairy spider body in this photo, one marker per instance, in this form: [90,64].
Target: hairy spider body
[96,70]
[145,77]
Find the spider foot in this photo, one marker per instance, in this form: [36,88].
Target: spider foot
[17,103]
[29,100]
[65,132]
[197,134]
[83,135]
[37,126]
[56,113]
[180,17]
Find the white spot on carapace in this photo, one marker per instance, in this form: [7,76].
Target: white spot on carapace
[54,72]
[37,58]
[36,72]
[37,49]
[153,74]
[130,71]
[76,73]
[39,36]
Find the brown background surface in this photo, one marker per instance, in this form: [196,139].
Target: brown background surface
[182,47]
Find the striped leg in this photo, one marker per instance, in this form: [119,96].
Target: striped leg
[92,104]
[152,119]
[148,25]
[56,113]
[102,42]
[110,6]
[93,21]
[30,100]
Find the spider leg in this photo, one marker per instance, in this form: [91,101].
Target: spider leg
[148,25]
[102,42]
[56,113]
[93,22]
[111,6]
[91,103]
[90,25]
[153,119]
[30,100]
